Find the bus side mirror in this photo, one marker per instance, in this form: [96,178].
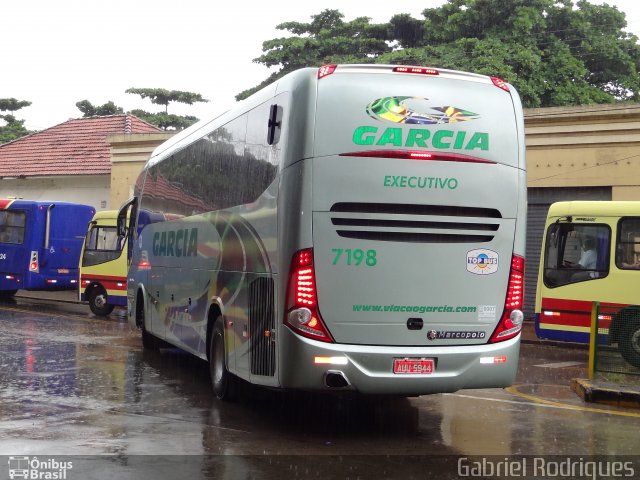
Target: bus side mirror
[128,209]
[122,226]
[553,235]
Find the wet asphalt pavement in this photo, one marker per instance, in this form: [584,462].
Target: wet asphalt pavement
[75,384]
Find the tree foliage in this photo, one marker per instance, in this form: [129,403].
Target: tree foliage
[12,128]
[554,52]
[166,121]
[89,110]
[161,96]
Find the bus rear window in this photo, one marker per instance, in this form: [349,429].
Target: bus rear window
[12,227]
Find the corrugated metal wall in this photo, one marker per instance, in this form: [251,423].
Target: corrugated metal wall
[539,201]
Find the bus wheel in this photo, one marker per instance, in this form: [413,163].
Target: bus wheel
[149,342]
[221,379]
[629,342]
[98,302]
[7,293]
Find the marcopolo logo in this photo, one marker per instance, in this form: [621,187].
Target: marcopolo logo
[38,469]
[482,261]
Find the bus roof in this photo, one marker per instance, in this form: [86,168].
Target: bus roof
[106,215]
[309,75]
[20,203]
[595,207]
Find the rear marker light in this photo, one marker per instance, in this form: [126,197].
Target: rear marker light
[326,70]
[74,281]
[331,360]
[416,70]
[498,82]
[52,281]
[10,277]
[493,360]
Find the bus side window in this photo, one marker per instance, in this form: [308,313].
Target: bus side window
[628,246]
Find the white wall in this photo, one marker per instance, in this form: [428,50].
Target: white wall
[92,190]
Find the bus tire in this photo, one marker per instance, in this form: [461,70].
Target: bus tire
[149,342]
[7,293]
[629,342]
[98,302]
[221,379]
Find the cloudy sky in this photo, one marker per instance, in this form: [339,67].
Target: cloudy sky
[58,52]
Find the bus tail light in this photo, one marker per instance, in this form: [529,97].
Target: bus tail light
[144,265]
[302,314]
[512,316]
[34,266]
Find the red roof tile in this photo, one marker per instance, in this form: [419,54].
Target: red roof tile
[76,147]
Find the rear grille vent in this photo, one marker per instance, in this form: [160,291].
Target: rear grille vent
[415,223]
[262,325]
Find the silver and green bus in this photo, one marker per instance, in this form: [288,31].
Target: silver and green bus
[347,228]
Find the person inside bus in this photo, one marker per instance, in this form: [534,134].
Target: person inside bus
[588,260]
[589,255]
[632,266]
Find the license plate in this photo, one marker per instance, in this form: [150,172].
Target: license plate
[413,366]
[63,270]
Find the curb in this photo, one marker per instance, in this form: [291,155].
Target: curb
[616,395]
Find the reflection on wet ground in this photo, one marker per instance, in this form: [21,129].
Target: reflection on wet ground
[74,383]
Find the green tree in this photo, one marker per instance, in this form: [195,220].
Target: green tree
[89,110]
[554,52]
[166,121]
[161,96]
[326,39]
[13,128]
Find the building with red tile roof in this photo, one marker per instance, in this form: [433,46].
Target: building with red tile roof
[75,147]
[71,161]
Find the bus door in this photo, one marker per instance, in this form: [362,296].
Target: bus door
[64,232]
[14,251]
[575,271]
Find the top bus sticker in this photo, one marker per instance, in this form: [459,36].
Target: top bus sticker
[482,261]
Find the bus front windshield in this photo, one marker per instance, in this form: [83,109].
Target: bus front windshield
[576,253]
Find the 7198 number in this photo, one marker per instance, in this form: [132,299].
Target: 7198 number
[354,257]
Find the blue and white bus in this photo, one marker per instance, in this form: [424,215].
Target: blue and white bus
[350,227]
[40,244]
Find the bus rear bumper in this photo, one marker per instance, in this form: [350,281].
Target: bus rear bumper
[369,369]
